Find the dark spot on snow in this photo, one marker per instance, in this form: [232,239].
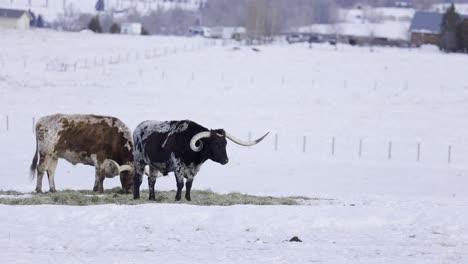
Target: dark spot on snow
[295,239]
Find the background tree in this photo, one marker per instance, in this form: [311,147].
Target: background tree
[33,20]
[39,21]
[450,40]
[463,33]
[67,19]
[99,6]
[115,28]
[94,25]
[423,4]
[144,32]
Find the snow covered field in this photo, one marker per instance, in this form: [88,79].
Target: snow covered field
[387,206]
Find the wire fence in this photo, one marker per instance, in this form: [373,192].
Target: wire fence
[57,64]
[363,148]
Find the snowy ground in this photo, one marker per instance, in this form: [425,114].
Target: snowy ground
[386,208]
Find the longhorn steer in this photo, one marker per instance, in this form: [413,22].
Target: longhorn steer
[180,147]
[100,141]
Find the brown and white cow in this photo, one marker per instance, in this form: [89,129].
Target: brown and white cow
[100,141]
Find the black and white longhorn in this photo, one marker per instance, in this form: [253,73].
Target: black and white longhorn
[180,147]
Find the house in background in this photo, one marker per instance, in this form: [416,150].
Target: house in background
[425,28]
[14,19]
[131,28]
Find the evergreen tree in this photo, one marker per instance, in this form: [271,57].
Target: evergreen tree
[32,22]
[144,32]
[40,22]
[99,5]
[115,28]
[94,25]
[450,30]
[463,34]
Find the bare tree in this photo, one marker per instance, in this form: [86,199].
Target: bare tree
[67,20]
[424,4]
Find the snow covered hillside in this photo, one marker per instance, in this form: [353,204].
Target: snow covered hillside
[49,9]
[385,22]
[383,134]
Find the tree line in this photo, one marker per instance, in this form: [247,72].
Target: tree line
[259,17]
[454,30]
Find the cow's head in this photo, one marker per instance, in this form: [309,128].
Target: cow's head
[111,169]
[214,145]
[126,178]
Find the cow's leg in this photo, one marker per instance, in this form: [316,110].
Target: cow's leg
[99,179]
[51,174]
[151,181]
[44,161]
[188,187]
[180,185]
[139,171]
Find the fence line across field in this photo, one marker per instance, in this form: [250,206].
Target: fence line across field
[305,144]
[73,65]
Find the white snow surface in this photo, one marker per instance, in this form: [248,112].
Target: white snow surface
[391,30]
[50,9]
[386,208]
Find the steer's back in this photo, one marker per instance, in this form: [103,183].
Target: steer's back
[84,138]
[157,141]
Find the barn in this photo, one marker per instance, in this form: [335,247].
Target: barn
[425,28]
[14,19]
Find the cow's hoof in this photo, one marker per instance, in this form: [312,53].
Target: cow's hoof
[188,198]
[52,190]
[177,198]
[38,190]
[152,198]
[95,189]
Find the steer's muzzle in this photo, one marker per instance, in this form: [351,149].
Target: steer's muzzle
[224,162]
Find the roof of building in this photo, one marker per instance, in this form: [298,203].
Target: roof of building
[11,13]
[428,22]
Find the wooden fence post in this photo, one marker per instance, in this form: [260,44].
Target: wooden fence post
[333,146]
[360,148]
[449,154]
[304,144]
[418,153]
[390,150]
[7,124]
[276,142]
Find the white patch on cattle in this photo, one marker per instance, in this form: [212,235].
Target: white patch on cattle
[149,127]
[47,134]
[182,170]
[177,128]
[128,145]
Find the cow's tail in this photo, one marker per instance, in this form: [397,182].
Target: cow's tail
[32,169]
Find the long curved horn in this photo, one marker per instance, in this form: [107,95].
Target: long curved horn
[245,143]
[111,167]
[125,168]
[197,137]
